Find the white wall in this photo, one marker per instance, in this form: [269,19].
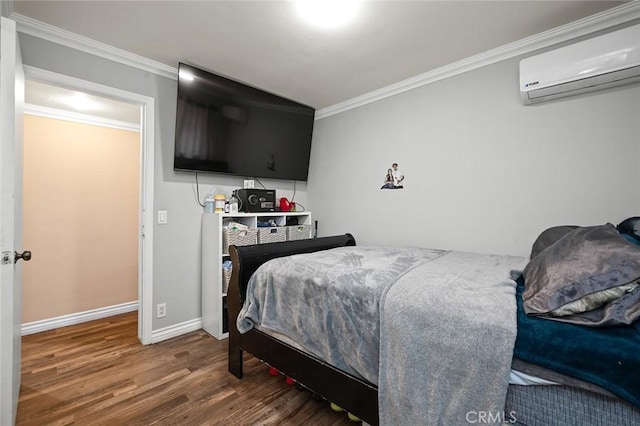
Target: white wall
[483,172]
[176,257]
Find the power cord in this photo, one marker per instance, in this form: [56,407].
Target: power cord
[197,192]
[293,197]
[258,180]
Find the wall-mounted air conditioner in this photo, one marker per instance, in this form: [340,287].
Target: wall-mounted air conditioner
[601,62]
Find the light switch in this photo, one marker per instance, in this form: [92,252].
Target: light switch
[162,217]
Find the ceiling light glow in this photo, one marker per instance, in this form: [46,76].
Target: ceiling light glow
[80,102]
[328,13]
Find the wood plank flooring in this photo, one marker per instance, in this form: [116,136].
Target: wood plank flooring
[98,373]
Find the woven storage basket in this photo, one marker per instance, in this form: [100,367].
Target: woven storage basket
[272,235]
[298,232]
[238,238]
[226,278]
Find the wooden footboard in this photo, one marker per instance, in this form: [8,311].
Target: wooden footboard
[353,394]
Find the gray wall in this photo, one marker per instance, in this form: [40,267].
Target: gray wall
[483,172]
[176,257]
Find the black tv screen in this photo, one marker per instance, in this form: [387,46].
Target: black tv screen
[223,126]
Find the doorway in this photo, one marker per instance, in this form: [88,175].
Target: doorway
[125,114]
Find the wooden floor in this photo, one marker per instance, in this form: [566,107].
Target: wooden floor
[98,373]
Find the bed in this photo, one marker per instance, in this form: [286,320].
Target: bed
[570,400]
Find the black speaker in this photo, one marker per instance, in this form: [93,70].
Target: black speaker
[257,200]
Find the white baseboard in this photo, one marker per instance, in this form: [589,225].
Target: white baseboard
[94,314]
[176,330]
[77,318]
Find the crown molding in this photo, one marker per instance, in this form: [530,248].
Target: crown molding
[615,16]
[76,117]
[57,35]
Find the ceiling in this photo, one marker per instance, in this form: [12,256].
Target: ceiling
[266,44]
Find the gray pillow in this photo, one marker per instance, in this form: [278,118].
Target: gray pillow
[585,261]
[548,237]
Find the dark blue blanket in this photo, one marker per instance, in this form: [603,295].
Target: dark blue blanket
[606,356]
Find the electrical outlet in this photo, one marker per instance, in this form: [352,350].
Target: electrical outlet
[248,184]
[161,310]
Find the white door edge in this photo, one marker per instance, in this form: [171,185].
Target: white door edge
[11,104]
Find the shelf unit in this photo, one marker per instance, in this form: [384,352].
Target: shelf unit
[214,311]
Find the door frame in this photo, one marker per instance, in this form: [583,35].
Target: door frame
[147,145]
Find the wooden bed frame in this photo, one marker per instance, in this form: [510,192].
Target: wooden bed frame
[359,397]
[355,395]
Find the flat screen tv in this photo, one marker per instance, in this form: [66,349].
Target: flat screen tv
[223,126]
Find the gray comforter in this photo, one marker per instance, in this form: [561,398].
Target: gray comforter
[448,329]
[433,329]
[328,302]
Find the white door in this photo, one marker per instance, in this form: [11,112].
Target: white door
[11,106]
